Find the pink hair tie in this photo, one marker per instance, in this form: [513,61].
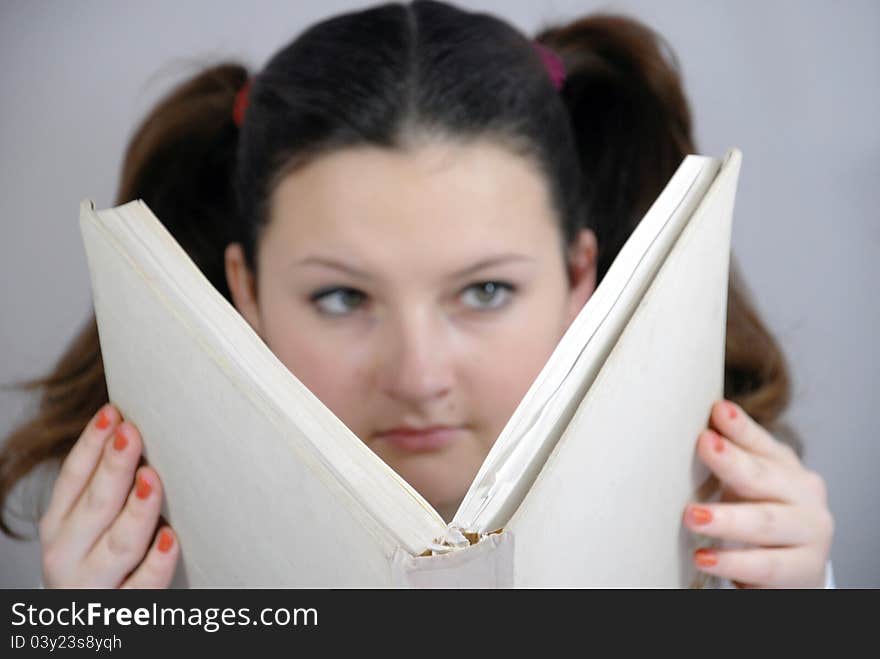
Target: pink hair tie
[241,103]
[553,64]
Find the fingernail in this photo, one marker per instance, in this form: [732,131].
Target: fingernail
[731,409]
[718,443]
[166,540]
[706,557]
[143,488]
[120,442]
[699,516]
[103,420]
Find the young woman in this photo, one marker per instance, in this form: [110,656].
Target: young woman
[410,204]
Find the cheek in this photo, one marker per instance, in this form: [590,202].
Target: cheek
[512,361]
[316,358]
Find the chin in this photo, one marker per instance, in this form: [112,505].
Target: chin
[441,480]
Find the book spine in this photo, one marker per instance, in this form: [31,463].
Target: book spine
[488,563]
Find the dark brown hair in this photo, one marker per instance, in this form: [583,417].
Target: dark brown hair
[607,143]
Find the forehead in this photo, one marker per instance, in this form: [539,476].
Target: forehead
[440,196]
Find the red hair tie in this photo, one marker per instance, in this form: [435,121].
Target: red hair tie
[553,64]
[241,103]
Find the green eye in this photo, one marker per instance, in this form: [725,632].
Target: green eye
[488,294]
[337,301]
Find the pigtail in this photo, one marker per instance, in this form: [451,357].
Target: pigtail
[630,118]
[180,161]
[632,128]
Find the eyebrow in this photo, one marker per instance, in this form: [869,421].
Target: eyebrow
[485,263]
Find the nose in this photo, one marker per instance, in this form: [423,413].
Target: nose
[416,364]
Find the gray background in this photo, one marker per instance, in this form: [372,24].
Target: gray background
[795,85]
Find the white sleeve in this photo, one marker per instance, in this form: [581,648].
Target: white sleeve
[829,575]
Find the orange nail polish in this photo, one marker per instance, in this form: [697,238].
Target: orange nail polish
[718,444]
[103,420]
[706,558]
[165,541]
[731,410]
[120,442]
[143,488]
[698,515]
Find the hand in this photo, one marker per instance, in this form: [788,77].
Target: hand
[768,500]
[98,526]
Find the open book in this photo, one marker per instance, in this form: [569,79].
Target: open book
[585,486]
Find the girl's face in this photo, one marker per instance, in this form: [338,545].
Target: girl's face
[416,289]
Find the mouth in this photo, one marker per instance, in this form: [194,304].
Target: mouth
[421,440]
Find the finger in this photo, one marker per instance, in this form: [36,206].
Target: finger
[768,524]
[157,569]
[123,545]
[103,498]
[753,476]
[77,469]
[789,567]
[731,421]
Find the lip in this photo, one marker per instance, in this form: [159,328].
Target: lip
[418,440]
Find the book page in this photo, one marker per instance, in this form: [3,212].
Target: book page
[606,509]
[264,486]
